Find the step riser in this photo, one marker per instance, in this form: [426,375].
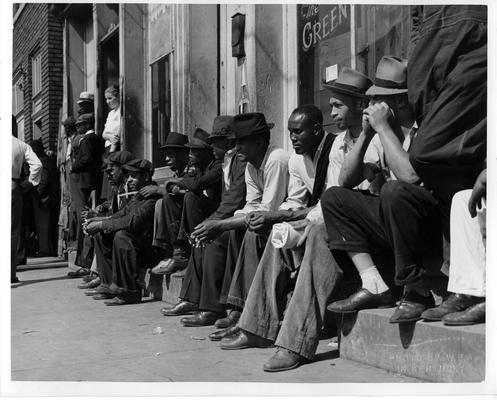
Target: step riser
[161,287]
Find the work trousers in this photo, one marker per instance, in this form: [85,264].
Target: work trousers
[404,218]
[45,219]
[84,250]
[15,225]
[318,275]
[250,253]
[167,217]
[196,208]
[447,82]
[467,247]
[120,257]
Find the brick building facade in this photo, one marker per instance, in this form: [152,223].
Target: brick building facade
[37,72]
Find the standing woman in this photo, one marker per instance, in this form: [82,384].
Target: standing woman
[112,131]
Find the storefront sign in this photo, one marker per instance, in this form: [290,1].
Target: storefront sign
[322,22]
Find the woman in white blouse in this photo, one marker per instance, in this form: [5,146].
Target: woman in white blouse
[112,128]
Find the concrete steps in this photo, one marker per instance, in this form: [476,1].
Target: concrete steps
[427,350]
[162,287]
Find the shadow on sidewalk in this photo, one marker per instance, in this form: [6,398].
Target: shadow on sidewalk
[30,282]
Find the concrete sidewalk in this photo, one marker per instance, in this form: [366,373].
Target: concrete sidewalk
[58,334]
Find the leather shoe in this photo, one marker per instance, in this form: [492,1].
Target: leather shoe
[454,303]
[218,335]
[79,273]
[90,285]
[98,290]
[104,296]
[362,299]
[182,308]
[202,318]
[411,306]
[89,278]
[472,315]
[243,340]
[228,321]
[283,360]
[119,301]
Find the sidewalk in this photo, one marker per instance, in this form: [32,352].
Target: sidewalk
[58,334]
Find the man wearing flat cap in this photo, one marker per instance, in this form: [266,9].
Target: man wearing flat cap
[123,242]
[401,216]
[177,220]
[296,335]
[204,274]
[86,103]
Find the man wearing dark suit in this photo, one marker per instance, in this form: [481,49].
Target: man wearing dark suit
[204,275]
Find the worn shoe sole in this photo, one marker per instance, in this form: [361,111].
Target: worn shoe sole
[296,365]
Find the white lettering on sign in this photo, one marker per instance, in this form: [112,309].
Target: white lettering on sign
[313,32]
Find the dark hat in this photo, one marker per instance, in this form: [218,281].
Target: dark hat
[69,121]
[391,77]
[221,127]
[86,118]
[139,165]
[117,157]
[198,140]
[350,82]
[175,140]
[86,96]
[249,124]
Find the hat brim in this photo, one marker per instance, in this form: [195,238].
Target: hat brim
[211,138]
[172,146]
[199,147]
[85,101]
[269,125]
[381,91]
[347,92]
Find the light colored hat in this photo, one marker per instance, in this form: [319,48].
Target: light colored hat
[86,96]
[391,77]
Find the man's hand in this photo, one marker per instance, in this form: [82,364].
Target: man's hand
[176,190]
[207,231]
[102,209]
[479,192]
[378,116]
[367,129]
[26,187]
[93,227]
[151,190]
[260,221]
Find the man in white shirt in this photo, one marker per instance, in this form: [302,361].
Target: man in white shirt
[21,153]
[318,272]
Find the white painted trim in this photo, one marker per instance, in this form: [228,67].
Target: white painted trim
[250,58]
[19,11]
[353,63]
[290,55]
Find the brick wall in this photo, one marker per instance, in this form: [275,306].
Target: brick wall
[37,29]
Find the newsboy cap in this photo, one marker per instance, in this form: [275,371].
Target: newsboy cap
[221,127]
[350,82]
[86,96]
[249,124]
[175,140]
[198,140]
[391,77]
[117,157]
[69,121]
[86,118]
[139,165]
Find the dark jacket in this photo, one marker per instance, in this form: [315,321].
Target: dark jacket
[234,198]
[47,191]
[210,181]
[87,160]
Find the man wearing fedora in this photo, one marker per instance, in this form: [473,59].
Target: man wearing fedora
[403,218]
[296,335]
[178,220]
[204,274]
[123,241]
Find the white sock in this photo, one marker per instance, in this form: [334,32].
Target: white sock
[372,281]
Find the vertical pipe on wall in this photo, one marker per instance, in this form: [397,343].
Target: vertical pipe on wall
[352,37]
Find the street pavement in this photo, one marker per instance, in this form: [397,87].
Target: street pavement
[59,334]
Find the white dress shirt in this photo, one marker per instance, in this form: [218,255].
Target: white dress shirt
[22,152]
[228,158]
[113,124]
[266,185]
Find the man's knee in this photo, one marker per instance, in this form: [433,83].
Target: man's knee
[335,197]
[395,193]
[123,239]
[191,200]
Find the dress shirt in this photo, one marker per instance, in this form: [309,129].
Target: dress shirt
[228,158]
[22,152]
[266,185]
[113,124]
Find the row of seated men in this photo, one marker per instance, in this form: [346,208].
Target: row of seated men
[270,236]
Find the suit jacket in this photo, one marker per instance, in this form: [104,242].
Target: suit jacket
[87,160]
[210,181]
[234,198]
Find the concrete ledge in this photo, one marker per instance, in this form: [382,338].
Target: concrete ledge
[426,350]
[171,287]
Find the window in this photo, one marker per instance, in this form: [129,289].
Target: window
[161,107]
[20,128]
[37,129]
[36,73]
[17,96]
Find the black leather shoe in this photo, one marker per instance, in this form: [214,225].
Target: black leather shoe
[410,307]
[361,300]
[182,308]
[119,301]
[472,315]
[454,303]
[79,273]
[104,296]
[15,279]
[98,290]
[90,285]
[89,278]
[228,321]
[218,335]
[202,318]
[243,340]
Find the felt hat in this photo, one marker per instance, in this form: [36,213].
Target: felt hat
[391,77]
[350,82]
[198,140]
[249,124]
[69,121]
[86,96]
[175,140]
[221,127]
[117,157]
[86,118]
[139,165]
